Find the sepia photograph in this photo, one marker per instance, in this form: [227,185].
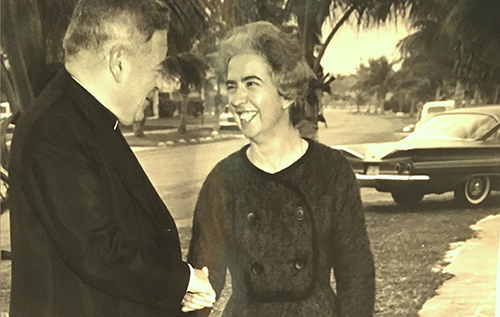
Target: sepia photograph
[250,158]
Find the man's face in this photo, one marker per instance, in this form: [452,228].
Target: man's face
[145,65]
[254,98]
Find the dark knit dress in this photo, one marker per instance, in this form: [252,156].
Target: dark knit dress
[281,234]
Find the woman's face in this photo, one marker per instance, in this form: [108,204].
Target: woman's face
[254,98]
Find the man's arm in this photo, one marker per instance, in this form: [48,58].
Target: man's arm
[82,219]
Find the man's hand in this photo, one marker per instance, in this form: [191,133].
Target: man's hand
[200,293]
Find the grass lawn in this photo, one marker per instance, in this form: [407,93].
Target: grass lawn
[409,248]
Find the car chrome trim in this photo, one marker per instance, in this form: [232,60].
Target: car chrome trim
[348,150]
[490,162]
[393,177]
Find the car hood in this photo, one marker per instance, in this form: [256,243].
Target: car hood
[379,151]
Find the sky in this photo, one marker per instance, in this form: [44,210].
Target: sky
[349,47]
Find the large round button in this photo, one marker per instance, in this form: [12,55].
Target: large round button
[300,213]
[299,263]
[257,268]
[252,218]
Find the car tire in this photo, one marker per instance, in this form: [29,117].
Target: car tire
[407,198]
[474,190]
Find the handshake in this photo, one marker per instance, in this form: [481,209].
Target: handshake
[200,293]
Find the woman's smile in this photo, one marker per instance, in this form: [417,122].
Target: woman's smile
[246,116]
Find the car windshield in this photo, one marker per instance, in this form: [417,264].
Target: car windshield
[457,126]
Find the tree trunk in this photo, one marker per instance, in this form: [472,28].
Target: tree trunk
[337,26]
[184,107]
[412,108]
[467,96]
[477,96]
[438,94]
[459,94]
[497,92]
[18,70]
[381,104]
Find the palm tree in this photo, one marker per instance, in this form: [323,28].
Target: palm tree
[32,33]
[464,32]
[359,99]
[377,79]
[307,18]
[191,71]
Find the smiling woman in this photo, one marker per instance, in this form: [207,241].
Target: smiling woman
[283,211]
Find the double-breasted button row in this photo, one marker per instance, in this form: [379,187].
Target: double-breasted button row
[253,218]
[257,268]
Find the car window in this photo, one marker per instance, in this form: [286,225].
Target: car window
[495,136]
[457,126]
[436,109]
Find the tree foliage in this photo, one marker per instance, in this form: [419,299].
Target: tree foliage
[455,40]
[32,33]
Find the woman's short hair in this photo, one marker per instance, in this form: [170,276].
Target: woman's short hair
[281,50]
[95,22]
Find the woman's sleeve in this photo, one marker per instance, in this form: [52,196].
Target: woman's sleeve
[353,260]
[209,235]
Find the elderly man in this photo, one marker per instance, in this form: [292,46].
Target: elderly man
[90,235]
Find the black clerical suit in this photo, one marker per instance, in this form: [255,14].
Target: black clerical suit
[90,235]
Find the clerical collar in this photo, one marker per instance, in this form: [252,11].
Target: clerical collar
[107,113]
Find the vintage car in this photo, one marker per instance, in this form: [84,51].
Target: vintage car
[457,150]
[227,120]
[432,108]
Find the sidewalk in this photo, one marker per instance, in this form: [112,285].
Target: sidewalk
[472,289]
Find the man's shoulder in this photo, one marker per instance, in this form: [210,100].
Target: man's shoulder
[54,118]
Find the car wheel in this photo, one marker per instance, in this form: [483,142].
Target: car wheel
[406,197]
[474,190]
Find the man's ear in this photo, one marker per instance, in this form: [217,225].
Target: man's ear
[116,62]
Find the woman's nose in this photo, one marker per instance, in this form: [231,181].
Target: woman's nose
[238,99]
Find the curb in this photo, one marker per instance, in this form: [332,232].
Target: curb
[214,137]
[472,289]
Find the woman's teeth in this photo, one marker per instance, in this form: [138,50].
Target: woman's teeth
[247,116]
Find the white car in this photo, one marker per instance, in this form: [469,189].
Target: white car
[432,108]
[226,120]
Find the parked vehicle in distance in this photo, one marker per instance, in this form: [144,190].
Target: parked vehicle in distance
[456,150]
[226,120]
[432,108]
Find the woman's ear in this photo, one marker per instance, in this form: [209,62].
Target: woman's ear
[116,62]
[286,103]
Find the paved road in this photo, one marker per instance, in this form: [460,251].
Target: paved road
[178,173]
